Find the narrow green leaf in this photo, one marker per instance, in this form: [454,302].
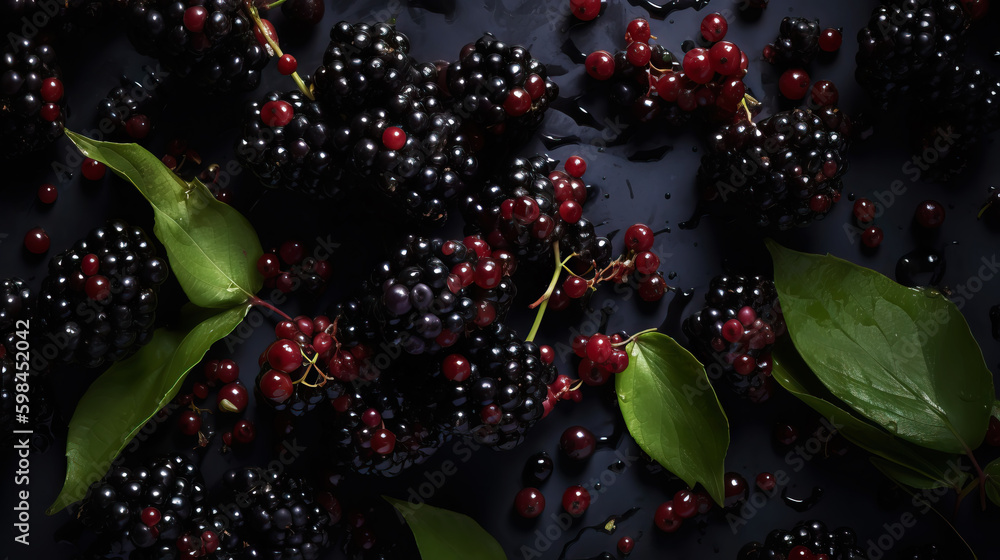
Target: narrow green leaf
[901,357]
[673,413]
[120,402]
[903,461]
[992,472]
[212,248]
[446,535]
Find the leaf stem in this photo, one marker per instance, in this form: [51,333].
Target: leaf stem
[979,473]
[274,4]
[543,302]
[254,300]
[633,337]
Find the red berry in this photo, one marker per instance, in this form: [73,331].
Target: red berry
[794,83]
[732,330]
[800,553]
[394,138]
[652,288]
[824,93]
[383,441]
[819,203]
[277,113]
[50,112]
[697,66]
[227,371]
[292,252]
[930,214]
[210,541]
[600,65]
[592,374]
[244,431]
[189,422]
[287,65]
[150,516]
[744,364]
[872,237]
[864,211]
[746,315]
[517,103]
[284,355]
[575,166]
[765,481]
[576,500]
[456,368]
[585,10]
[491,414]
[638,238]
[546,354]
[685,504]
[784,433]
[618,361]
[90,264]
[570,211]
[725,58]
[525,211]
[269,29]
[638,30]
[669,86]
[647,262]
[580,345]
[714,27]
[371,417]
[575,287]
[98,287]
[535,86]
[194,18]
[529,503]
[47,193]
[52,90]
[666,519]
[830,39]
[489,273]
[599,348]
[200,390]
[93,169]
[736,489]
[976,8]
[638,54]
[625,545]
[232,398]
[577,443]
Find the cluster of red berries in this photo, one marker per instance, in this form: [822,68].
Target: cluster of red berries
[799,41]
[684,505]
[232,397]
[601,357]
[530,503]
[289,268]
[864,217]
[562,389]
[709,77]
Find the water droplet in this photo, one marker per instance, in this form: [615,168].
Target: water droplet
[891,426]
[920,268]
[617,466]
[802,504]
[667,196]
[552,141]
[671,275]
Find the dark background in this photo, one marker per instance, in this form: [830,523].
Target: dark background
[660,194]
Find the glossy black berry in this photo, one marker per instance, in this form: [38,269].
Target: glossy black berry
[32,97]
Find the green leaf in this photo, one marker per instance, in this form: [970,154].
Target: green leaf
[120,402]
[903,461]
[673,413]
[992,472]
[446,535]
[901,357]
[212,248]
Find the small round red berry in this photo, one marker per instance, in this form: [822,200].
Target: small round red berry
[269,29]
[746,315]
[244,431]
[685,504]
[765,481]
[618,362]
[736,488]
[830,40]
[489,273]
[666,519]
[732,330]
[930,214]
[976,8]
[570,211]
[599,348]
[383,441]
[744,364]
[872,237]
[517,102]
[394,138]
[287,65]
[576,500]
[526,210]
[51,90]
[209,541]
[575,166]
[138,126]
[284,355]
[652,288]
[268,265]
[547,354]
[600,65]
[638,30]
[227,371]
[784,433]
[199,390]
[647,262]
[725,58]
[189,422]
[577,443]
[535,86]
[292,251]
[864,211]
[93,169]
[277,113]
[638,238]
[585,10]
[669,86]
[638,54]
[194,18]
[580,345]
[47,193]
[491,414]
[820,203]
[714,27]
[800,553]
[50,112]
[823,93]
[625,545]
[794,83]
[150,516]
[232,398]
[529,503]
[90,265]
[37,241]
[371,417]
[697,66]
[456,368]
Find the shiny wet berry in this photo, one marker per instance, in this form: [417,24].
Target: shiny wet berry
[577,443]
[529,503]
[576,500]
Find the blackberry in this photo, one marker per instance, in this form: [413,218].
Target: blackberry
[140,509]
[98,302]
[492,387]
[735,330]
[797,43]
[223,56]
[501,87]
[133,106]
[363,66]
[519,210]
[430,292]
[908,45]
[32,101]
[838,544]
[279,516]
[785,171]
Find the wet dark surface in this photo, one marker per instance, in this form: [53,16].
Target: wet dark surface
[658,192]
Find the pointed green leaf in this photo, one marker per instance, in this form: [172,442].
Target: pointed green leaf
[446,535]
[992,472]
[212,248]
[901,357]
[120,402]
[673,413]
[903,461]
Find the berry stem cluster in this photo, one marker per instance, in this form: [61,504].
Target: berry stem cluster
[266,32]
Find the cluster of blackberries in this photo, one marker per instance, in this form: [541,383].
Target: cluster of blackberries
[98,302]
[735,331]
[133,106]
[808,539]
[211,42]
[289,268]
[32,102]
[782,172]
[797,43]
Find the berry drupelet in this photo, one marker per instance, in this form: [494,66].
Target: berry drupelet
[98,302]
[735,329]
[797,43]
[134,105]
[808,539]
[492,387]
[785,171]
[32,100]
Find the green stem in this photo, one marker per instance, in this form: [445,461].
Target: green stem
[255,15]
[548,292]
[274,4]
[980,474]
[254,300]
